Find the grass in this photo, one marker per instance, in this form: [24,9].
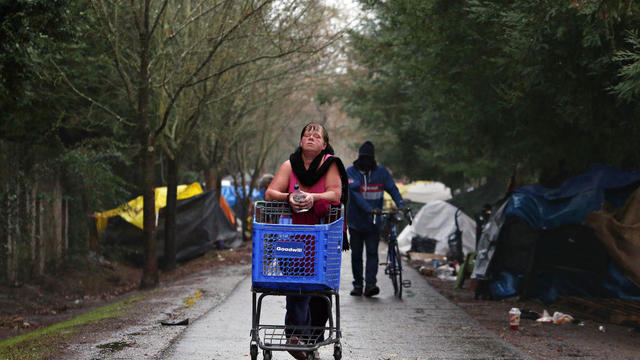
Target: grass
[191,300]
[40,344]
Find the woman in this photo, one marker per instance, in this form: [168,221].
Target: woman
[322,178]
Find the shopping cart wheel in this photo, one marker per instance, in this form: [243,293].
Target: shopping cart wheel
[254,352]
[337,351]
[266,354]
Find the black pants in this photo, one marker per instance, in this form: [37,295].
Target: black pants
[359,241]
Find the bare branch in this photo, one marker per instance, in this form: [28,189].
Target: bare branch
[88,98]
[158,17]
[204,63]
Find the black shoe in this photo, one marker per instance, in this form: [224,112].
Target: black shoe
[357,291]
[370,291]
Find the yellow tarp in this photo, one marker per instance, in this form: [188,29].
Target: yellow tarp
[132,211]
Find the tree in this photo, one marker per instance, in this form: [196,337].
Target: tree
[487,85]
[167,52]
[58,155]
[242,126]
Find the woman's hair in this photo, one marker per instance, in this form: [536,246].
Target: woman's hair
[316,127]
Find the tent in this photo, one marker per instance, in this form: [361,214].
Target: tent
[132,210]
[230,195]
[435,220]
[427,191]
[201,225]
[421,192]
[472,202]
[535,240]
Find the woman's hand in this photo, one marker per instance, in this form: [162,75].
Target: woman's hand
[304,204]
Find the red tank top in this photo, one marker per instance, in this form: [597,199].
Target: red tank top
[320,207]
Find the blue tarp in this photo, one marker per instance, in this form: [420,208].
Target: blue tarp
[229,194]
[548,288]
[544,208]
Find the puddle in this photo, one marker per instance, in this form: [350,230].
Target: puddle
[114,346]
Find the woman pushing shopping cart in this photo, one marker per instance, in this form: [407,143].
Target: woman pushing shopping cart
[297,242]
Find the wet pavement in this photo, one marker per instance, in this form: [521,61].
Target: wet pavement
[139,333]
[422,325]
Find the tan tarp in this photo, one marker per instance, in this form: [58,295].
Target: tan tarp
[620,233]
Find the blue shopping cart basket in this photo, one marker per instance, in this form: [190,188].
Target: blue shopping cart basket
[295,257]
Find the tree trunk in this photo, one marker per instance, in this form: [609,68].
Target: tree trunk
[94,240]
[51,237]
[170,214]
[150,268]
[211,178]
[5,240]
[58,250]
[246,204]
[40,239]
[150,276]
[10,238]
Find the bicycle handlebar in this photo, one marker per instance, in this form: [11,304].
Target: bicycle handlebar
[394,215]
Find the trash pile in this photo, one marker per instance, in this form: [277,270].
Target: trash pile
[515,314]
[429,264]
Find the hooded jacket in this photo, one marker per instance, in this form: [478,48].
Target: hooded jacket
[366,192]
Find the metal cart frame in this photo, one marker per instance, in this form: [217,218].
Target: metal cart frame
[269,337]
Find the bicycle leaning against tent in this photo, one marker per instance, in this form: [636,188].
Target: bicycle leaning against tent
[393,264]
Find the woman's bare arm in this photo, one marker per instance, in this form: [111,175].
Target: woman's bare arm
[278,189]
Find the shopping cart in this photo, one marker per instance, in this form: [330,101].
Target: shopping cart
[293,259]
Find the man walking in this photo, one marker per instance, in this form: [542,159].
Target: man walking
[367,183]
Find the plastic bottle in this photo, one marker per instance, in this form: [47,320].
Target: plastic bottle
[298,195]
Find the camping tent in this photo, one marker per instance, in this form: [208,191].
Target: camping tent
[516,241]
[427,191]
[421,192]
[230,195]
[435,220]
[132,210]
[201,225]
[473,202]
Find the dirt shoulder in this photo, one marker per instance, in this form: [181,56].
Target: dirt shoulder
[119,317]
[586,339]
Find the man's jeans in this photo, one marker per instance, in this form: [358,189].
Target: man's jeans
[360,240]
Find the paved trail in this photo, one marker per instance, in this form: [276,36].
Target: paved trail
[423,325]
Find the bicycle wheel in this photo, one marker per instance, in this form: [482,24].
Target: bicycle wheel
[398,268]
[391,266]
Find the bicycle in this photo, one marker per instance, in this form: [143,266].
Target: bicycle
[393,265]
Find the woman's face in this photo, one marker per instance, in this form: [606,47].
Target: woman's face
[312,141]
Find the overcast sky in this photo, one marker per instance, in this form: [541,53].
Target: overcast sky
[349,8]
